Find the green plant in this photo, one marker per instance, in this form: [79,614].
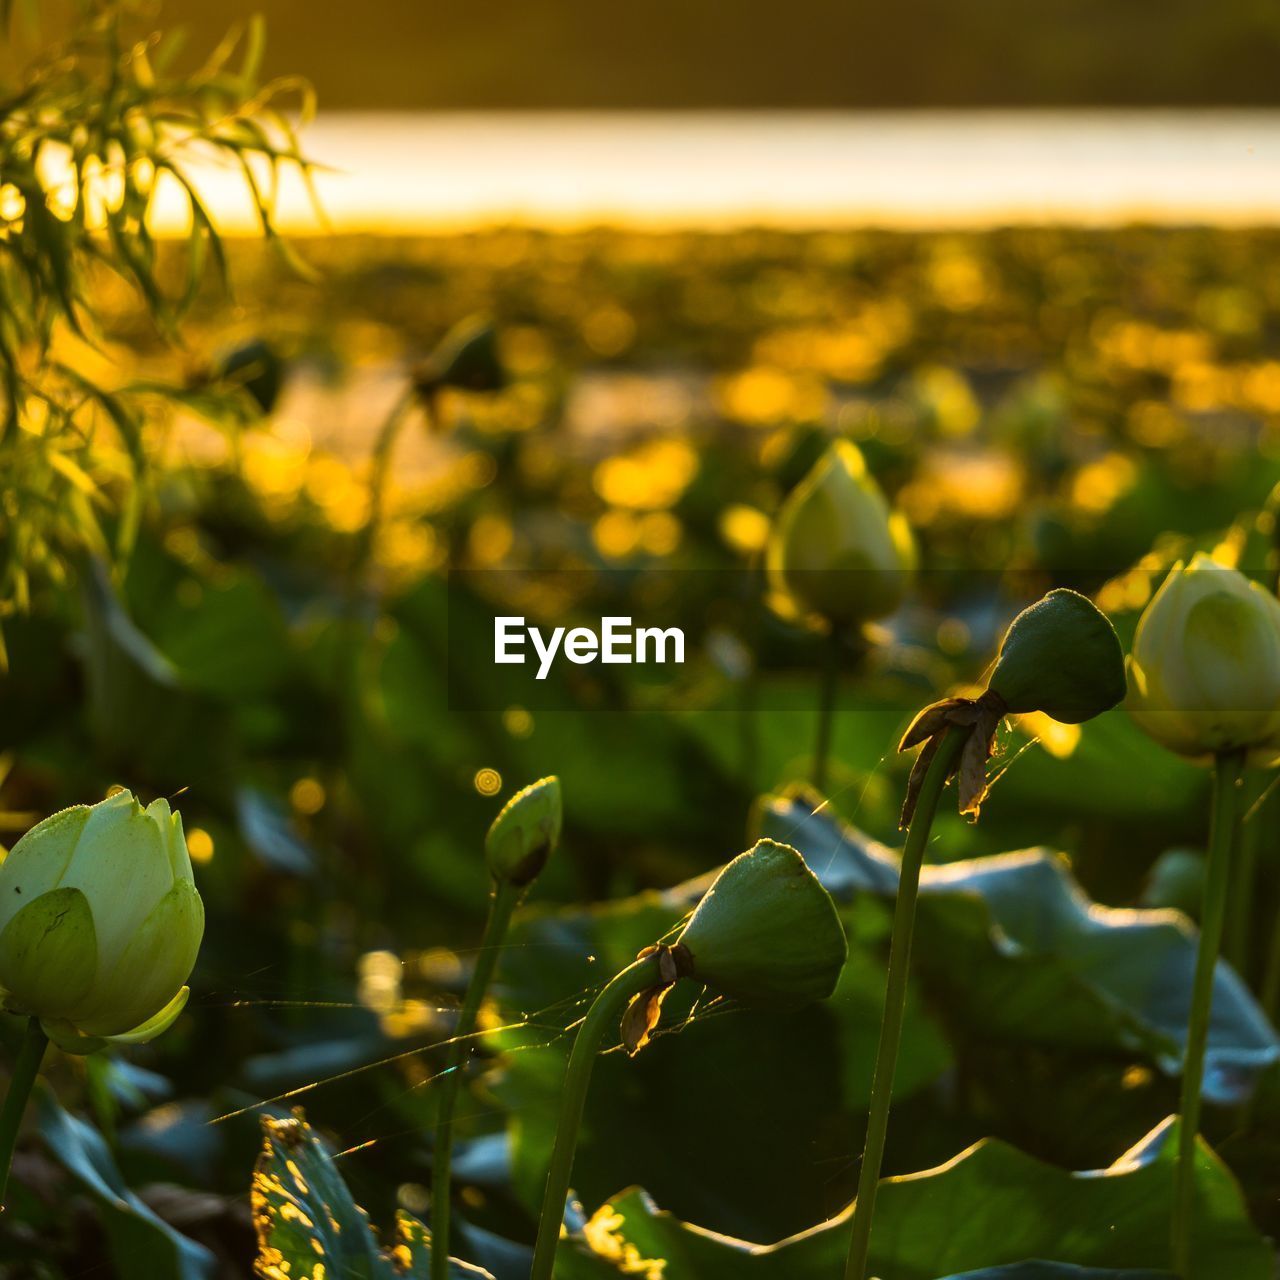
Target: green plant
[766,933]
[836,552]
[519,842]
[1205,675]
[91,134]
[100,925]
[1060,656]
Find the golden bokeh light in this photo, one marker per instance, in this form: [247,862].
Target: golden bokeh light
[1098,485]
[307,796]
[488,782]
[650,477]
[744,528]
[517,722]
[200,845]
[1058,739]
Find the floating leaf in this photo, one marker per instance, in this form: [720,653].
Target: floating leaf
[991,1206]
[1058,1271]
[1025,954]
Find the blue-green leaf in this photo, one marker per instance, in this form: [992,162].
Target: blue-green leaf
[1024,954]
[141,1243]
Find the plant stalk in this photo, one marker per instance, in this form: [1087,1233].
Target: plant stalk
[826,708]
[1227,772]
[605,1014]
[380,459]
[1270,996]
[1243,886]
[506,897]
[25,1068]
[895,1000]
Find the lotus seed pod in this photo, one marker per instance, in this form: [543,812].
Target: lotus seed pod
[1177,880]
[836,549]
[257,367]
[466,359]
[1205,668]
[766,932]
[100,922]
[525,833]
[1060,656]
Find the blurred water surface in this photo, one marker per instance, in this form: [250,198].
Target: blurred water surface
[402,173]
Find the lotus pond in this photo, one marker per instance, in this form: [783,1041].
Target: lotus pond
[291,647]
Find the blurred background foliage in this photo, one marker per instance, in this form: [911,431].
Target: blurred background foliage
[262,631]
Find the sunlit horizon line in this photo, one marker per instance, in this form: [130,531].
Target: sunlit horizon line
[445,172]
[693,221]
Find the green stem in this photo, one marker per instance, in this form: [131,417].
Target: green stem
[1226,785]
[826,709]
[895,1000]
[506,897]
[25,1067]
[383,448]
[749,704]
[604,1015]
[748,720]
[1243,886]
[1271,981]
[349,675]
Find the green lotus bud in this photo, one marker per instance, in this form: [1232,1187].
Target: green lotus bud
[836,549]
[766,932]
[1205,668]
[525,833]
[1060,656]
[467,359]
[100,922]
